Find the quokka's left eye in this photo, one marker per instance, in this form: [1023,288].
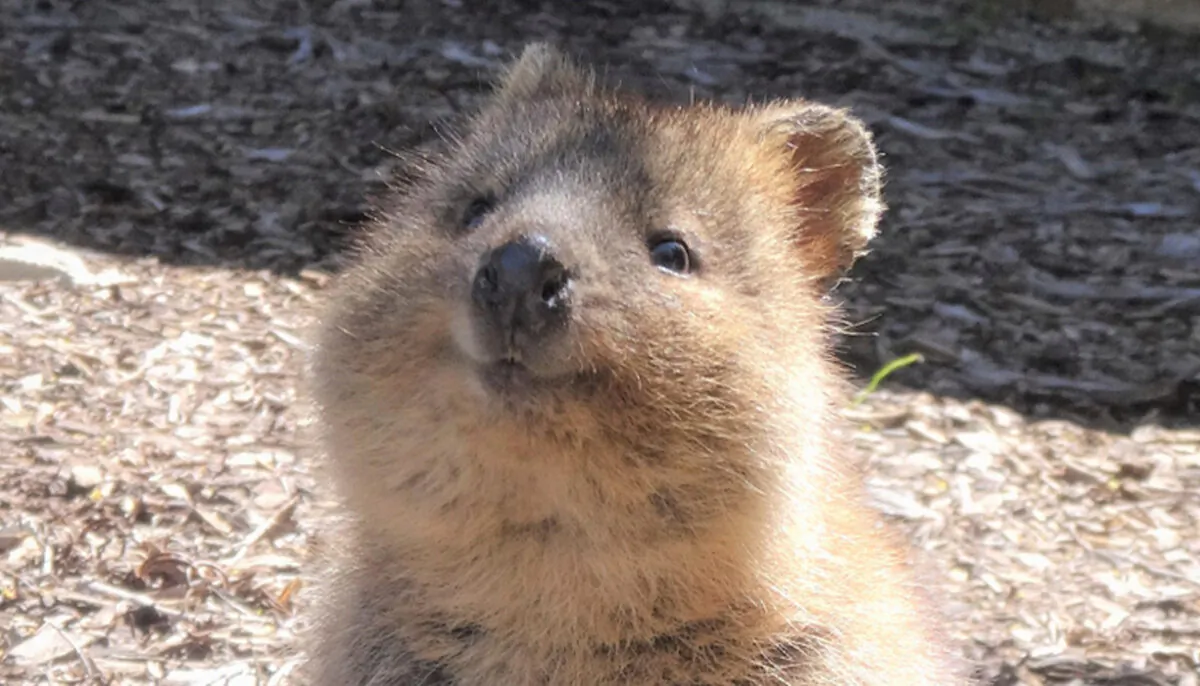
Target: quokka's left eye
[671,254]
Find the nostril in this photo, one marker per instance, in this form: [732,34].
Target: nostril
[554,282]
[486,280]
[486,286]
[488,277]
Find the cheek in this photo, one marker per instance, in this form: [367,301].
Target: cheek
[656,313]
[699,315]
[393,313]
[678,340]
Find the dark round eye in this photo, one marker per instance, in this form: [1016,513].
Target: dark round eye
[671,254]
[477,210]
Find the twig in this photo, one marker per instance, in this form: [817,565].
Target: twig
[240,606]
[1085,291]
[1109,391]
[285,670]
[88,664]
[1118,562]
[273,522]
[138,598]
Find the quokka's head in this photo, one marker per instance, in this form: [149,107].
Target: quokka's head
[577,264]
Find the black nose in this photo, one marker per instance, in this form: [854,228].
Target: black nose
[522,289]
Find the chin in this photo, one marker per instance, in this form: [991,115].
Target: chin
[507,379]
[510,379]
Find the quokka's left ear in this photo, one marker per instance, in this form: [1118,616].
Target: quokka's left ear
[543,70]
[836,179]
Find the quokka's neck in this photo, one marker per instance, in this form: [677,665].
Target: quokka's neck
[572,549]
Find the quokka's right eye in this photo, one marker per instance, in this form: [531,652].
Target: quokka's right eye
[671,254]
[477,210]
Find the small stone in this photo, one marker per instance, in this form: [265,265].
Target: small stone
[87,477]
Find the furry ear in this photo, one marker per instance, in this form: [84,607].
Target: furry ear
[836,180]
[543,70]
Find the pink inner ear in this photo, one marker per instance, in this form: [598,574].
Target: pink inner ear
[837,187]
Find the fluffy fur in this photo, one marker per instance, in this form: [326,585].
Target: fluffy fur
[664,503]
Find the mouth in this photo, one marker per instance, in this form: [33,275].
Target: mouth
[506,376]
[514,379]
[507,371]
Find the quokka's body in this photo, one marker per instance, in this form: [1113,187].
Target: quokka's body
[577,399]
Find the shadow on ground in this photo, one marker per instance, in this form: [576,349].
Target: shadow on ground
[1044,180]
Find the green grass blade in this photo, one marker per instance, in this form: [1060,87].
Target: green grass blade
[882,374]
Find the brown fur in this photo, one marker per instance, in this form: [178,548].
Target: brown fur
[666,505]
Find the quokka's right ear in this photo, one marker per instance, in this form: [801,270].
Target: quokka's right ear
[543,70]
[836,179]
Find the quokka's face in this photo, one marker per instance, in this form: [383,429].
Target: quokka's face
[601,263]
